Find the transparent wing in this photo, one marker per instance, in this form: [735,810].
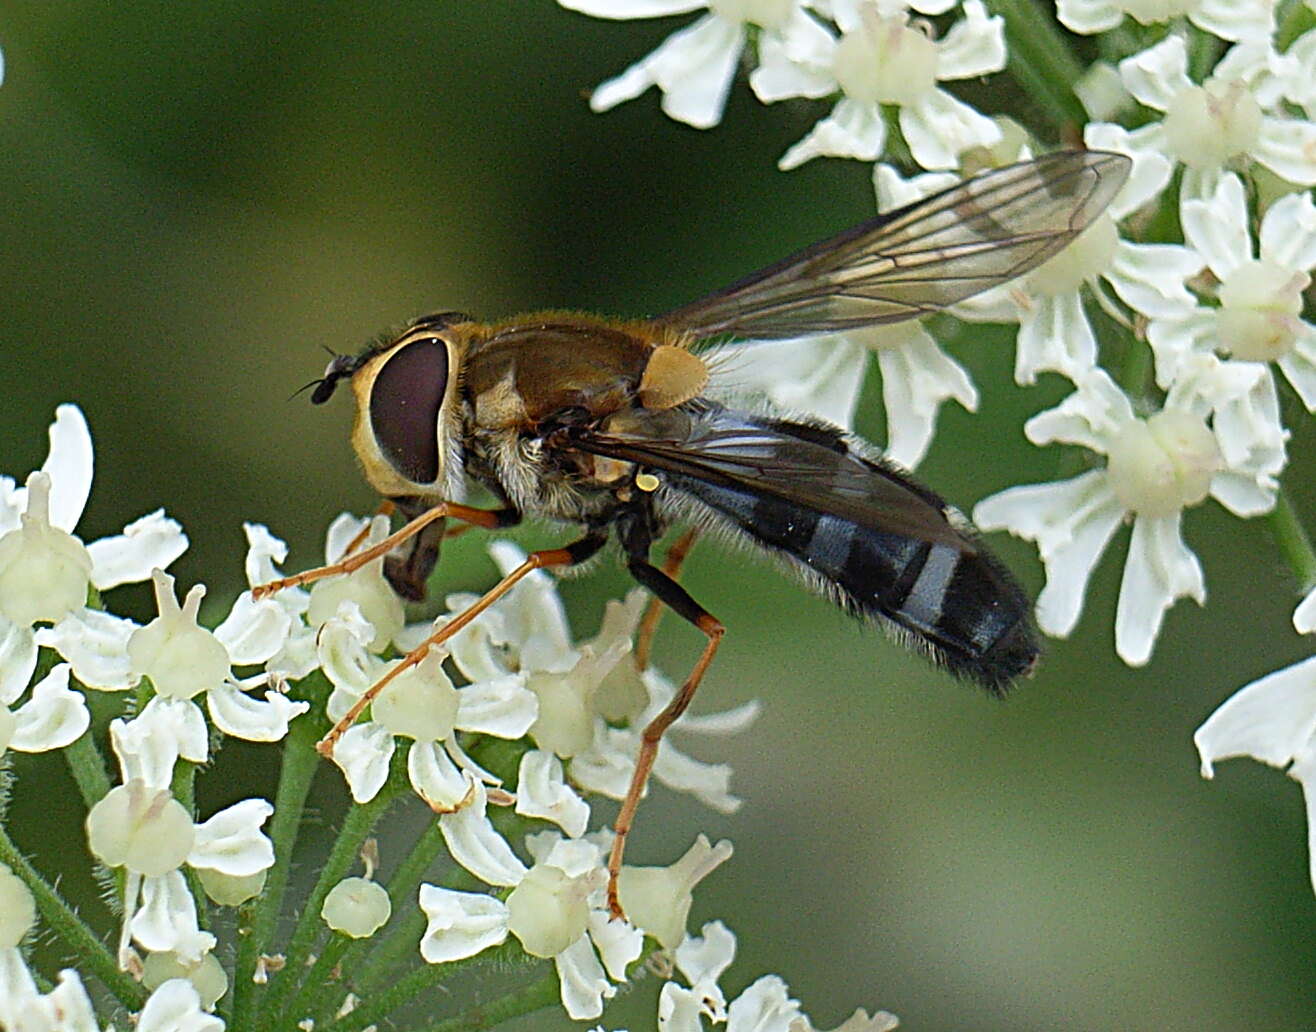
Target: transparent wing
[920,258]
[802,465]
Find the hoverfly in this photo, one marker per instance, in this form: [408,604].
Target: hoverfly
[603,424]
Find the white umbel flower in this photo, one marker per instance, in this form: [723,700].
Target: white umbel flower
[1258,317]
[1156,467]
[140,826]
[1229,120]
[693,67]
[556,909]
[45,570]
[420,704]
[881,59]
[183,660]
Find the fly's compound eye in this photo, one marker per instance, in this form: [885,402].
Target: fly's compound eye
[405,399]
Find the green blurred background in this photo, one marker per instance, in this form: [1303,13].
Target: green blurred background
[200,196]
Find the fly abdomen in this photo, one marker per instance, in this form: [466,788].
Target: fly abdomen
[865,535]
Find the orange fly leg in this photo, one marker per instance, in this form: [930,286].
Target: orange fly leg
[671,594]
[489,519]
[649,740]
[672,563]
[576,552]
[386,508]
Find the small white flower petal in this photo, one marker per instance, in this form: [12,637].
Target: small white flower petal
[70,464]
[1160,569]
[1150,277]
[54,717]
[143,755]
[1235,19]
[96,644]
[821,376]
[363,754]
[607,766]
[1288,232]
[18,990]
[917,377]
[231,841]
[681,1009]
[765,1006]
[1072,523]
[853,130]
[1299,366]
[974,45]
[167,921]
[939,128]
[474,843]
[254,631]
[1304,617]
[436,778]
[1054,334]
[151,542]
[178,722]
[1087,17]
[1287,146]
[503,707]
[175,1006]
[542,791]
[238,714]
[1272,719]
[705,956]
[1152,167]
[727,722]
[619,943]
[625,9]
[1090,416]
[710,783]
[18,658]
[583,981]
[693,68]
[1217,227]
[1158,74]
[794,65]
[460,924]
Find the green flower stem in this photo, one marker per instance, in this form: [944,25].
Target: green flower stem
[88,769]
[1041,61]
[93,954]
[1294,542]
[1203,52]
[390,956]
[429,976]
[299,765]
[183,787]
[535,996]
[1298,19]
[357,825]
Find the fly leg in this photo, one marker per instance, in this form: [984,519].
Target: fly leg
[489,519]
[672,563]
[576,552]
[672,594]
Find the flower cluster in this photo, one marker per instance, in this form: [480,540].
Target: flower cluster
[1179,317]
[507,737]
